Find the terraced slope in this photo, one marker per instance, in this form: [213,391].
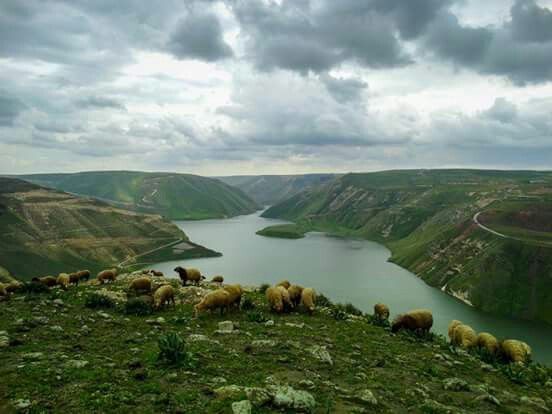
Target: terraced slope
[426,219]
[46,231]
[175,196]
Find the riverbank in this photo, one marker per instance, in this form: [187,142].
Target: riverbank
[104,359]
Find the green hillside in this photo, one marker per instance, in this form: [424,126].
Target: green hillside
[45,231]
[175,196]
[426,218]
[271,189]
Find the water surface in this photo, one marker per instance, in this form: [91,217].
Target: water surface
[345,270]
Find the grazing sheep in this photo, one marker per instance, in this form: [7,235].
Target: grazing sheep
[515,351]
[155,273]
[236,293]
[414,320]
[217,299]
[463,336]
[63,280]
[217,279]
[13,287]
[107,275]
[83,274]
[453,324]
[193,275]
[48,281]
[488,342]
[308,299]
[163,295]
[284,283]
[381,312]
[74,278]
[286,300]
[140,284]
[274,298]
[295,294]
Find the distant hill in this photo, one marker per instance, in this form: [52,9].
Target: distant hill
[175,196]
[48,231]
[271,189]
[499,263]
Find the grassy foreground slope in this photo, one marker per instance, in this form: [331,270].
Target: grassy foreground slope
[58,355]
[426,219]
[175,196]
[271,189]
[46,232]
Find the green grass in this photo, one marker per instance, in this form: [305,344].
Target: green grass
[283,231]
[124,372]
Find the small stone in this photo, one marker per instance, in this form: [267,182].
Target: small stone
[173,376]
[56,328]
[455,384]
[307,384]
[4,341]
[22,404]
[104,315]
[218,380]
[225,327]
[57,302]
[40,320]
[269,323]
[263,343]
[241,407]
[321,353]
[85,330]
[489,398]
[228,391]
[295,325]
[288,398]
[366,396]
[258,396]
[76,363]
[34,356]
[160,320]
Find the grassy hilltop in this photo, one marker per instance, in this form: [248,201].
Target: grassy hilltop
[46,232]
[175,196]
[69,351]
[426,218]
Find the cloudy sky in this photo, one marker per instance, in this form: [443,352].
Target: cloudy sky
[288,86]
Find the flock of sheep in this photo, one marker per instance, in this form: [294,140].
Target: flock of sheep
[281,298]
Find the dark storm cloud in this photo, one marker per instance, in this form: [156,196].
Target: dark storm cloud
[531,23]
[10,108]
[100,102]
[502,110]
[344,90]
[302,36]
[199,36]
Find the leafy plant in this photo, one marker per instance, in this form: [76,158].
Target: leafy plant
[247,303]
[138,306]
[338,314]
[515,373]
[172,349]
[96,300]
[263,288]
[256,316]
[323,301]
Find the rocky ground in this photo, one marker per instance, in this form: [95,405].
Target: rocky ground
[59,355]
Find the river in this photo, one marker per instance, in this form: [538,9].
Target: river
[345,270]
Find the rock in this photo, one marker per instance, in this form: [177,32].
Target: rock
[263,343]
[197,338]
[366,396]
[241,407]
[22,404]
[173,376]
[288,398]
[56,328]
[489,398]
[487,367]
[295,325]
[33,356]
[4,339]
[76,363]
[104,315]
[455,384]
[536,402]
[258,396]
[85,330]
[40,320]
[269,323]
[57,302]
[225,327]
[160,320]
[228,392]
[307,384]
[431,406]
[321,353]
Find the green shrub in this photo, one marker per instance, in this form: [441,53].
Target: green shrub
[350,309]
[515,373]
[338,314]
[138,306]
[172,350]
[256,316]
[263,288]
[96,300]
[323,301]
[247,303]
